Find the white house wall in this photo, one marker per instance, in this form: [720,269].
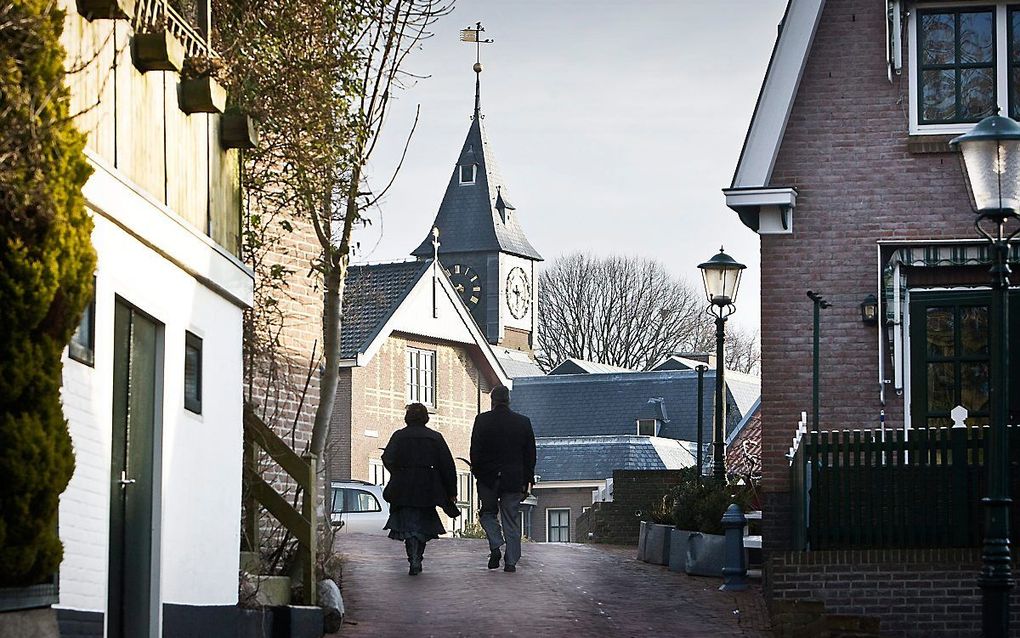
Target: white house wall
[199,508]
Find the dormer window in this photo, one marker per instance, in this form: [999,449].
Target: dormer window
[467,174]
[648,427]
[964,65]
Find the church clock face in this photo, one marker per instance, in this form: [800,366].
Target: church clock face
[518,292]
[466,282]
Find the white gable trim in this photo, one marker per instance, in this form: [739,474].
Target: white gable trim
[457,323]
[778,91]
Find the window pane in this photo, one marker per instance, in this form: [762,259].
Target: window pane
[940,332]
[1014,93]
[938,95]
[974,386]
[974,333]
[938,38]
[977,93]
[976,37]
[192,372]
[941,395]
[1014,35]
[940,422]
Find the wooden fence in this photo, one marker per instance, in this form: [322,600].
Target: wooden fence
[302,524]
[855,489]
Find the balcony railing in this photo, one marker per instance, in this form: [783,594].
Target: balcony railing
[156,15]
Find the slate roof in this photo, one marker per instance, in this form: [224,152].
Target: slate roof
[743,446]
[595,457]
[581,366]
[578,405]
[469,219]
[373,292]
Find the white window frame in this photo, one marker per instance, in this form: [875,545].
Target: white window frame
[474,174]
[655,426]
[548,527]
[420,376]
[377,472]
[1001,66]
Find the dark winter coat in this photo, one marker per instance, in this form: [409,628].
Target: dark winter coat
[421,468]
[503,447]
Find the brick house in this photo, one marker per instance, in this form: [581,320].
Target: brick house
[407,337]
[847,176]
[590,424]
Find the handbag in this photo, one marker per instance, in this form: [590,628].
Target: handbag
[451,509]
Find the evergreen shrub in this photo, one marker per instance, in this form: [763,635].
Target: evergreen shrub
[46,269]
[699,506]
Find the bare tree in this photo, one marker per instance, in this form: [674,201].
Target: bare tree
[623,311]
[742,350]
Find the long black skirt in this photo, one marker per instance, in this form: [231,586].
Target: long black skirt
[414,522]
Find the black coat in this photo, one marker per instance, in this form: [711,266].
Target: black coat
[503,447]
[421,468]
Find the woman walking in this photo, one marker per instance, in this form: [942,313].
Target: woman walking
[422,477]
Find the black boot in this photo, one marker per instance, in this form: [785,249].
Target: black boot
[421,553]
[412,545]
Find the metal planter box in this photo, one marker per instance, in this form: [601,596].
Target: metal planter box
[657,543]
[157,52]
[678,541]
[705,554]
[202,95]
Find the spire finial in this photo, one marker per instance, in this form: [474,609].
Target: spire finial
[474,35]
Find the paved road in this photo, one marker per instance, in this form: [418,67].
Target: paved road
[558,590]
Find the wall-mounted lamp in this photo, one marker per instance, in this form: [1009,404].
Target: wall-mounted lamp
[869,310]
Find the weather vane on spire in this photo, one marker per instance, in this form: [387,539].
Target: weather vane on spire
[475,35]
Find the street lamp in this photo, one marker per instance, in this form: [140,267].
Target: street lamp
[722,278]
[991,155]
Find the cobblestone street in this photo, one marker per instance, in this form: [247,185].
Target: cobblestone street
[558,590]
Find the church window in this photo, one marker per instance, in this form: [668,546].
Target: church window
[421,376]
[467,174]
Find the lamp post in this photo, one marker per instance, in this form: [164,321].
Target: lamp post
[722,278]
[991,155]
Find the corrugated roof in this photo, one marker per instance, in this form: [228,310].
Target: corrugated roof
[595,457]
[372,294]
[468,218]
[609,404]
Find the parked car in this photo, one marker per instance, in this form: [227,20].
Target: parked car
[358,506]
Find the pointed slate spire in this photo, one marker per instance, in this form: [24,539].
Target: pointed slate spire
[472,216]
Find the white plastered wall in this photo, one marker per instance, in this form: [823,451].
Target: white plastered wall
[198,530]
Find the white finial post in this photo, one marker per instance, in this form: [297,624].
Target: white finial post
[435,270]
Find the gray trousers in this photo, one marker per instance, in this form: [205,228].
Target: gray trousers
[508,528]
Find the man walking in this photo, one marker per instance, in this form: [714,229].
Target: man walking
[503,462]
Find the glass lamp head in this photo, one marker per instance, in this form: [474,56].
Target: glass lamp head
[991,155]
[721,275]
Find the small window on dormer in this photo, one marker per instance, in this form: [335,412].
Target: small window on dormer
[648,427]
[467,174]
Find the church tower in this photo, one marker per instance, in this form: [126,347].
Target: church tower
[482,244]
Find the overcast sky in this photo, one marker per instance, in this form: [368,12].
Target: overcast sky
[615,125]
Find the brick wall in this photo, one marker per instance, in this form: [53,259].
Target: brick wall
[913,592]
[372,399]
[846,151]
[635,494]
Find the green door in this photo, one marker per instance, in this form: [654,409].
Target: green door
[135,400]
[950,356]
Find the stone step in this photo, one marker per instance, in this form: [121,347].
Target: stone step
[250,562]
[273,590]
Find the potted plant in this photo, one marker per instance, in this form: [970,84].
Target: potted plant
[655,533]
[698,544]
[157,50]
[199,90]
[106,9]
[238,129]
